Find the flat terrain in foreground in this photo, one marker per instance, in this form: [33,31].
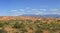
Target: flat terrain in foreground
[29,24]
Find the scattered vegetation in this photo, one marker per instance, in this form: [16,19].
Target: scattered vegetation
[29,26]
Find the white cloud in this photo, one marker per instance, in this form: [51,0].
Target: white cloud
[55,11]
[39,13]
[42,9]
[27,7]
[21,9]
[34,11]
[13,10]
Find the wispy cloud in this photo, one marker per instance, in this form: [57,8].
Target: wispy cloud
[34,11]
[22,10]
[14,10]
[55,11]
[43,9]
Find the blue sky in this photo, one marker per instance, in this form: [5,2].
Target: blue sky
[20,7]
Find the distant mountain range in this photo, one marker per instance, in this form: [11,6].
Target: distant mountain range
[47,15]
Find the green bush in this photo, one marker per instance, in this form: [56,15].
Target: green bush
[58,20]
[2,31]
[19,25]
[2,24]
[40,24]
[54,26]
[38,31]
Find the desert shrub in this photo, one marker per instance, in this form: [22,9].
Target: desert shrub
[11,24]
[16,32]
[17,20]
[29,20]
[2,24]
[58,20]
[1,16]
[40,24]
[23,30]
[3,31]
[38,31]
[19,25]
[35,25]
[54,26]
[37,21]
[54,31]
[9,21]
